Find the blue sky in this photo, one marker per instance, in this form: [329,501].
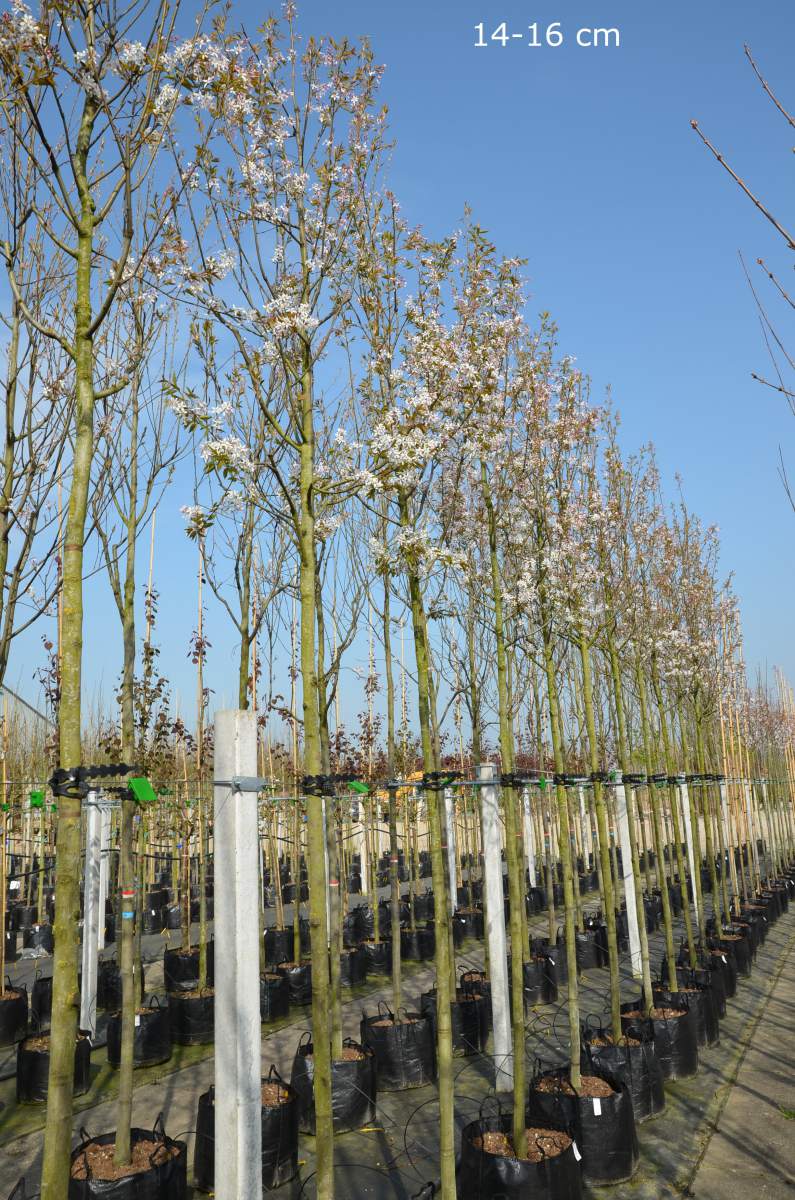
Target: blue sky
[583,162]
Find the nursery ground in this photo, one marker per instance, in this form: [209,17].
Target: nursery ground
[729,1127]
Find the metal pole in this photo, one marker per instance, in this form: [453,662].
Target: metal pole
[628,880]
[238,1047]
[495,930]
[104,868]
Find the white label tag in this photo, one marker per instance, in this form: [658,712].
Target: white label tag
[597,1106]
[723,956]
[552,961]
[14,885]
[577,1154]
[36,928]
[137,1020]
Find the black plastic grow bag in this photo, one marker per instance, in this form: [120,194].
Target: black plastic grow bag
[675,1039]
[39,937]
[274,996]
[24,916]
[299,981]
[469,1017]
[278,946]
[41,1002]
[410,945]
[181,969]
[483,1176]
[151,1039]
[604,1128]
[405,1055]
[378,957]
[165,1179]
[109,985]
[279,1139]
[636,1066]
[353,967]
[192,1018]
[11,953]
[736,945]
[353,1087]
[13,1014]
[700,997]
[33,1069]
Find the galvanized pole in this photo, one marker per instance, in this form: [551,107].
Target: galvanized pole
[93,917]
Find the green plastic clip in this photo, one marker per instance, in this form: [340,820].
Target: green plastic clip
[37,799]
[142,790]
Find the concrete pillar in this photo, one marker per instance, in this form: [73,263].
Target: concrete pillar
[629,883]
[691,856]
[495,929]
[529,838]
[93,917]
[585,828]
[238,1048]
[104,868]
[449,825]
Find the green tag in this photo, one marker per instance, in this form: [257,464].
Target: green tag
[142,790]
[542,783]
[37,799]
[356,786]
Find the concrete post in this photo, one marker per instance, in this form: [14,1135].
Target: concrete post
[628,880]
[585,829]
[691,856]
[751,822]
[104,868]
[238,1048]
[529,838]
[449,824]
[92,916]
[364,854]
[495,929]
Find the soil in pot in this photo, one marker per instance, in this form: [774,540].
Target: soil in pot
[469,1017]
[151,1037]
[279,1136]
[405,1050]
[675,1037]
[158,1170]
[33,1068]
[353,1086]
[490,1168]
[274,996]
[299,981]
[601,1114]
[633,1061]
[192,1017]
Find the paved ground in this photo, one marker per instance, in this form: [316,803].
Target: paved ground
[393,1159]
[752,1152]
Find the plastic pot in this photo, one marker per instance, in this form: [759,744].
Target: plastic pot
[634,1065]
[33,1069]
[353,967]
[675,1037]
[405,1053]
[279,1137]
[181,969]
[278,946]
[469,1020]
[735,943]
[109,985]
[700,1001]
[274,996]
[24,916]
[604,1127]
[13,1015]
[484,1176]
[378,957]
[299,981]
[164,1179]
[192,1017]
[151,1038]
[353,1087]
[39,937]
